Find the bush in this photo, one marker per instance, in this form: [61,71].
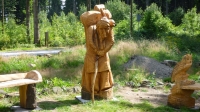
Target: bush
[153,24]
[118,9]
[191,22]
[83,9]
[186,37]
[122,31]
[12,35]
[66,30]
[176,16]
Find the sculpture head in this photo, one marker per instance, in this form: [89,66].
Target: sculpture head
[182,67]
[104,26]
[187,60]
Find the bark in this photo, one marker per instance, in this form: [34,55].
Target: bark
[31,96]
[28,20]
[36,27]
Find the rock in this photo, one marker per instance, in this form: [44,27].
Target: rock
[129,84]
[68,89]
[45,91]
[76,89]
[48,55]
[32,65]
[2,92]
[169,63]
[160,83]
[145,83]
[57,90]
[149,65]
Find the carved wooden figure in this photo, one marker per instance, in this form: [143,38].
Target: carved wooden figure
[99,40]
[180,96]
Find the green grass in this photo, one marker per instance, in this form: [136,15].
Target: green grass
[65,69]
[68,103]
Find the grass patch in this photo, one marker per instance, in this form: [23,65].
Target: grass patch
[65,70]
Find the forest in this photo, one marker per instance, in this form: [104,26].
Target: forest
[26,24]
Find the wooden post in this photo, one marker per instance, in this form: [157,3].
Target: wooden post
[46,39]
[22,95]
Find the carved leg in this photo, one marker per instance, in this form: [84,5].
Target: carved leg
[22,95]
[28,96]
[31,97]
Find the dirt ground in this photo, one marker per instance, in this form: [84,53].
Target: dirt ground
[156,97]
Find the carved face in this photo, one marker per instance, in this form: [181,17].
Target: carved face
[103,32]
[103,28]
[187,59]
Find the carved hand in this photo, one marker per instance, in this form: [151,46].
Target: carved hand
[101,53]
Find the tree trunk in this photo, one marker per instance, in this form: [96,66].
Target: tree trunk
[131,25]
[2,16]
[167,7]
[147,3]
[88,5]
[74,7]
[28,20]
[98,2]
[36,27]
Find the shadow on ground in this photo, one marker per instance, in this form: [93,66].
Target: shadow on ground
[51,105]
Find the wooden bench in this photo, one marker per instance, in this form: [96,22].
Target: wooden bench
[27,86]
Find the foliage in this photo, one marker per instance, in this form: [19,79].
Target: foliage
[68,6]
[118,9]
[16,64]
[191,22]
[119,54]
[66,30]
[186,36]
[122,32]
[55,8]
[153,24]
[82,9]
[176,16]
[44,25]
[53,82]
[136,76]
[20,11]
[13,35]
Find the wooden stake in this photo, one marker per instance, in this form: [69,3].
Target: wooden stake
[94,78]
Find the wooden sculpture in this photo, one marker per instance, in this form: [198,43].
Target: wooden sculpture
[98,27]
[181,96]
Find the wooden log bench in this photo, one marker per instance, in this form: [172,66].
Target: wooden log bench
[27,86]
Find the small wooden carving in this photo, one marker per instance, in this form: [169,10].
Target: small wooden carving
[179,96]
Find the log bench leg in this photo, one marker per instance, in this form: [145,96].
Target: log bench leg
[28,96]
